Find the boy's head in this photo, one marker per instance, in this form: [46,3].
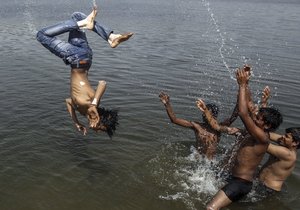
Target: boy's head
[214,109]
[295,133]
[270,117]
[108,121]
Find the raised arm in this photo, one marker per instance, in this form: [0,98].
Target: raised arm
[165,99]
[71,110]
[252,107]
[258,133]
[212,121]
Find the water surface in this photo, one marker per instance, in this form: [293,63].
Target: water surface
[189,49]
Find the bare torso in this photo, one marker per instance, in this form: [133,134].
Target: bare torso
[248,157]
[207,139]
[81,90]
[275,171]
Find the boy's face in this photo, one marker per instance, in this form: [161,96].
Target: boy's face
[286,140]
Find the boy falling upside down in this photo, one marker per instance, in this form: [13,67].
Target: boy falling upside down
[78,54]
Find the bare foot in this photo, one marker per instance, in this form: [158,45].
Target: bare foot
[119,39]
[88,22]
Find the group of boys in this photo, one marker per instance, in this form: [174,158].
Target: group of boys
[259,123]
[253,142]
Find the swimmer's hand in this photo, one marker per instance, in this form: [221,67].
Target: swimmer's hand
[93,116]
[247,68]
[165,99]
[265,96]
[201,105]
[81,128]
[242,77]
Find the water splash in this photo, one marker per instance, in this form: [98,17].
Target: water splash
[218,30]
[188,178]
[94,3]
[28,18]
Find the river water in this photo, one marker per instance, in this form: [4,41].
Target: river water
[188,48]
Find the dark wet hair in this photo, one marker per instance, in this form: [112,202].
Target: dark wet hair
[295,131]
[271,116]
[108,118]
[214,109]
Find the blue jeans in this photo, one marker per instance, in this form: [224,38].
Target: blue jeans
[77,48]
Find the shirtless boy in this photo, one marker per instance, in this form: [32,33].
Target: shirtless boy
[252,149]
[77,53]
[207,138]
[282,160]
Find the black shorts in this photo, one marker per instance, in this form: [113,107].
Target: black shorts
[237,188]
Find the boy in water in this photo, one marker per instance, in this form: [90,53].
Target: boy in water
[252,149]
[281,162]
[282,159]
[227,163]
[77,53]
[207,138]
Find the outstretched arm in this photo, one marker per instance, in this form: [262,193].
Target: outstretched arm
[274,136]
[71,110]
[280,152]
[165,99]
[212,121]
[258,133]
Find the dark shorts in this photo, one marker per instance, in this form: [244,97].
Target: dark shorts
[237,188]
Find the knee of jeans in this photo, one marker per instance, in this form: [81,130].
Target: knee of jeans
[78,16]
[39,35]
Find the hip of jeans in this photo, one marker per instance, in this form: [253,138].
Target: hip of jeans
[79,61]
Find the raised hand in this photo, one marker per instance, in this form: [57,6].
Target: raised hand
[247,68]
[201,105]
[265,96]
[242,76]
[165,99]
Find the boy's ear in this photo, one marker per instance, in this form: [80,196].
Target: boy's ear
[266,127]
[295,143]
